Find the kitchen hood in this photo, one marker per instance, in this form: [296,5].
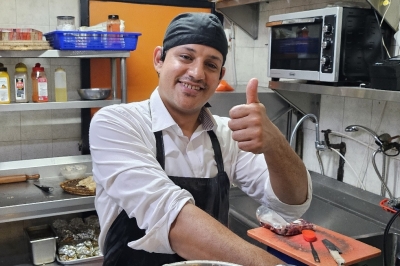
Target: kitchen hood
[244,13]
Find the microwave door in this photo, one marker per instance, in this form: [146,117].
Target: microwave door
[295,48]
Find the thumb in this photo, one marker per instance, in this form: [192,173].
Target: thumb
[251,91]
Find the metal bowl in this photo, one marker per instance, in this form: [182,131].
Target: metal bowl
[94,93]
[202,263]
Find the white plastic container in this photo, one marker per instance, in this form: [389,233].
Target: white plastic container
[60,82]
[20,83]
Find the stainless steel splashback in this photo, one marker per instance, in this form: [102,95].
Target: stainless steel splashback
[392,15]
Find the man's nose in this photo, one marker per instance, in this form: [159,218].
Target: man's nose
[196,70]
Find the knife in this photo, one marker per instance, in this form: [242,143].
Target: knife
[334,251]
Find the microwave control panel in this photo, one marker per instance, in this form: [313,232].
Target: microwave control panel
[328,44]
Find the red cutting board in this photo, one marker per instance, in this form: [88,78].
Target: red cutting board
[353,251]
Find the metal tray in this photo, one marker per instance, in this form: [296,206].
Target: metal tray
[77,261]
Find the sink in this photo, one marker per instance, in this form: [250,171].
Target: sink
[321,212]
[392,246]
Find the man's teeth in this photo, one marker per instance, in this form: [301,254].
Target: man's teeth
[197,88]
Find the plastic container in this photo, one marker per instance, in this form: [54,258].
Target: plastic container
[60,83]
[39,84]
[113,23]
[4,85]
[20,83]
[89,40]
[42,241]
[66,23]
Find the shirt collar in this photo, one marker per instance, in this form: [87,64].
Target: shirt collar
[161,119]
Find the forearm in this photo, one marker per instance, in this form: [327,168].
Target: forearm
[195,235]
[288,175]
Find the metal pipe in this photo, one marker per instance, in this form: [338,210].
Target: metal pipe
[379,175]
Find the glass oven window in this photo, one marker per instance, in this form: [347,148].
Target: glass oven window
[296,46]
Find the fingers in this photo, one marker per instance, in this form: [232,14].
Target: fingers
[251,91]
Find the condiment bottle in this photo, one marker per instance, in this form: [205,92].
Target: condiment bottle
[20,83]
[113,23]
[4,85]
[39,84]
[60,82]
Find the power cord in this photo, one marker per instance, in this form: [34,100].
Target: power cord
[385,235]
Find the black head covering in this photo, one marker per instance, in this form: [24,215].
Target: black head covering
[196,28]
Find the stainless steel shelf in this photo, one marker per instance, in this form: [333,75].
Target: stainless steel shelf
[23,200]
[65,54]
[56,105]
[353,92]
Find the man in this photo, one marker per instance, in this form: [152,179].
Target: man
[164,166]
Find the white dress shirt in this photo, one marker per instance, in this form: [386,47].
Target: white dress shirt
[128,176]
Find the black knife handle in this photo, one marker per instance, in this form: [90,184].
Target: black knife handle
[314,253]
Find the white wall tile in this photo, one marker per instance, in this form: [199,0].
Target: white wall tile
[65,124]
[35,149]
[11,126]
[10,151]
[8,14]
[32,12]
[36,125]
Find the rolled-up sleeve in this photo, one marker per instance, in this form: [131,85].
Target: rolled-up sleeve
[252,177]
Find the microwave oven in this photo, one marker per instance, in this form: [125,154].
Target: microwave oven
[332,44]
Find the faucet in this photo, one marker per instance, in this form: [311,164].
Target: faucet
[384,143]
[319,145]
[353,128]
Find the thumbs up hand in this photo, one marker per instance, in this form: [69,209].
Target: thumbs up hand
[249,123]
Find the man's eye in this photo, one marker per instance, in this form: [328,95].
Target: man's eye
[213,66]
[186,57]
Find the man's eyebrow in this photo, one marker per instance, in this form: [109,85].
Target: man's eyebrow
[211,56]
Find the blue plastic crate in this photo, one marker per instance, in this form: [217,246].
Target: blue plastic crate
[93,40]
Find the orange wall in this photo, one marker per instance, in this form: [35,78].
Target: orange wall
[151,21]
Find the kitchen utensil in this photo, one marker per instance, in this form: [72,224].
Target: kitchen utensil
[45,188]
[94,93]
[354,251]
[309,236]
[334,251]
[73,171]
[42,239]
[17,178]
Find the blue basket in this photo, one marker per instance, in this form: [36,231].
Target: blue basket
[92,40]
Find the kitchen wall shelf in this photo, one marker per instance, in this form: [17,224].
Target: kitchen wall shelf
[56,105]
[353,92]
[306,98]
[64,54]
[23,200]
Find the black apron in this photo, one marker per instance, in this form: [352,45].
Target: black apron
[210,194]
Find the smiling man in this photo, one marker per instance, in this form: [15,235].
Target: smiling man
[163,167]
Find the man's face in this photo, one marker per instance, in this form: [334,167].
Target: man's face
[189,76]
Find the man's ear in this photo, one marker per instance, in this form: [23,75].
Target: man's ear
[157,60]
[222,74]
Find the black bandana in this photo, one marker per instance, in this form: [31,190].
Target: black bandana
[196,28]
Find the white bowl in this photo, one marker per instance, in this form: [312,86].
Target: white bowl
[73,171]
